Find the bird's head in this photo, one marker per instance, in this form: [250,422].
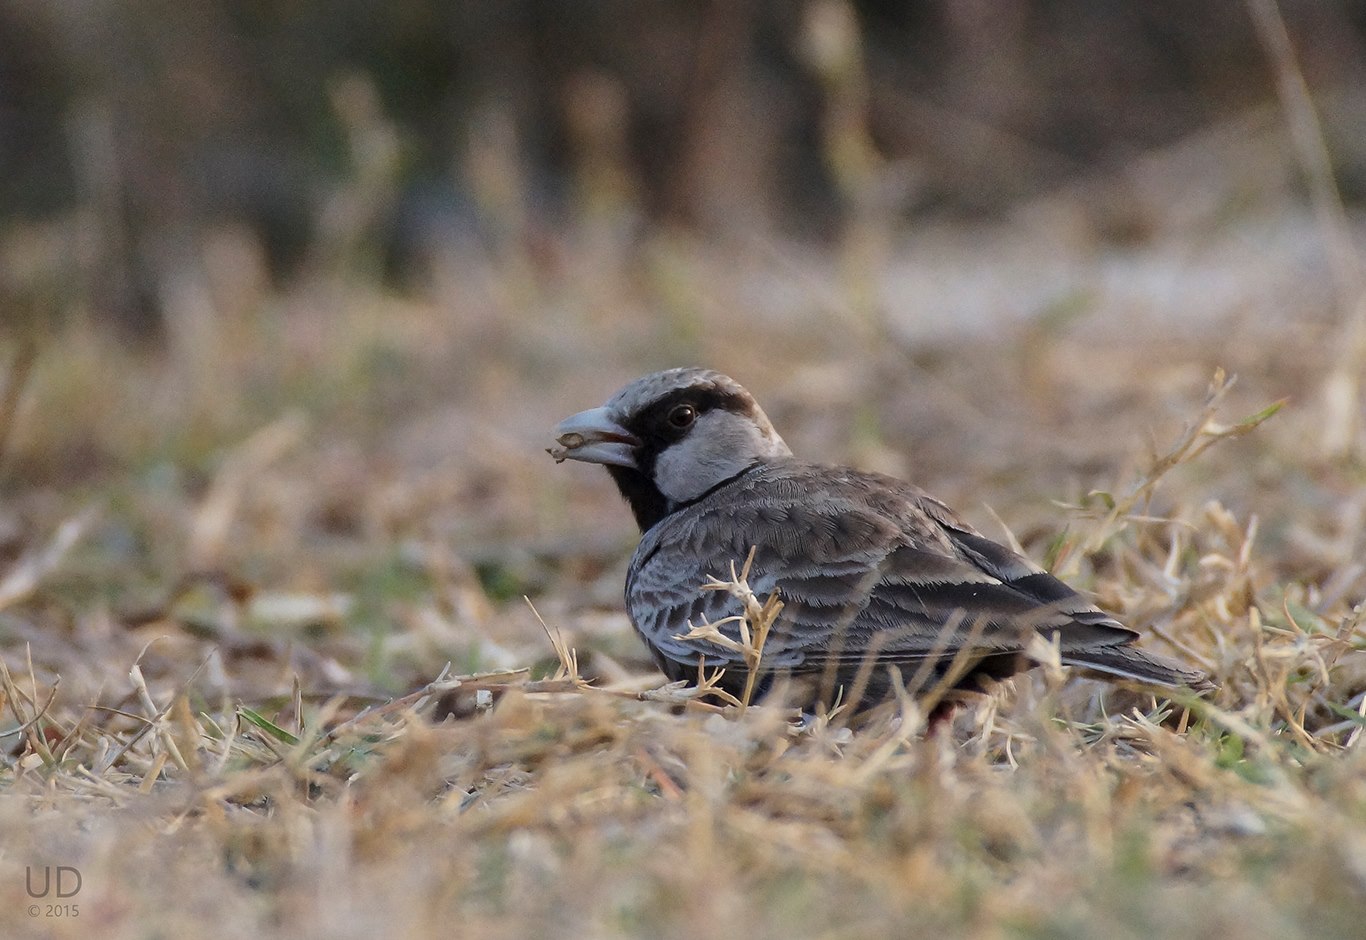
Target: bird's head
[671,437]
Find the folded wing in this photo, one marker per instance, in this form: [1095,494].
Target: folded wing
[867,567]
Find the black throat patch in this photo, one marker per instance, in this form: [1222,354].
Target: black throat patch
[652,427]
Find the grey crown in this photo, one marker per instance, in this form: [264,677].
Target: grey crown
[873,572]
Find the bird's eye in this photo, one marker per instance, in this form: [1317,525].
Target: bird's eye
[683,416]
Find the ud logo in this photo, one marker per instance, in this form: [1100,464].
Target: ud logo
[62,882]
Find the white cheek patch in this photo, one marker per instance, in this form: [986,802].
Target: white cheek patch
[719,446]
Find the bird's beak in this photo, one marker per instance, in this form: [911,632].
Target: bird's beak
[593,436]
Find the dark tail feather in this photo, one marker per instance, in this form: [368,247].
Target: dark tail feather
[1130,663]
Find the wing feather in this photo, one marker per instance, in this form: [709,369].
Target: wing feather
[862,563]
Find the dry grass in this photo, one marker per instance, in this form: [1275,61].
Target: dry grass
[266,670]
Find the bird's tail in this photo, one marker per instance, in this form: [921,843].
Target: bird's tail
[1128,662]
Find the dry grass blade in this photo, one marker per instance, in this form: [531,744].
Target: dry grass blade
[14,697]
[1341,389]
[568,657]
[28,572]
[213,521]
[1199,434]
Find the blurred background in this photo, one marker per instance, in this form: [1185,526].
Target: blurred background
[290,294]
[144,143]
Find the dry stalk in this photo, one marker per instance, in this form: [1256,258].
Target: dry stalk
[1341,389]
[1200,434]
[15,697]
[752,624]
[566,654]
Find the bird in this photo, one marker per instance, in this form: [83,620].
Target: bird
[880,583]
